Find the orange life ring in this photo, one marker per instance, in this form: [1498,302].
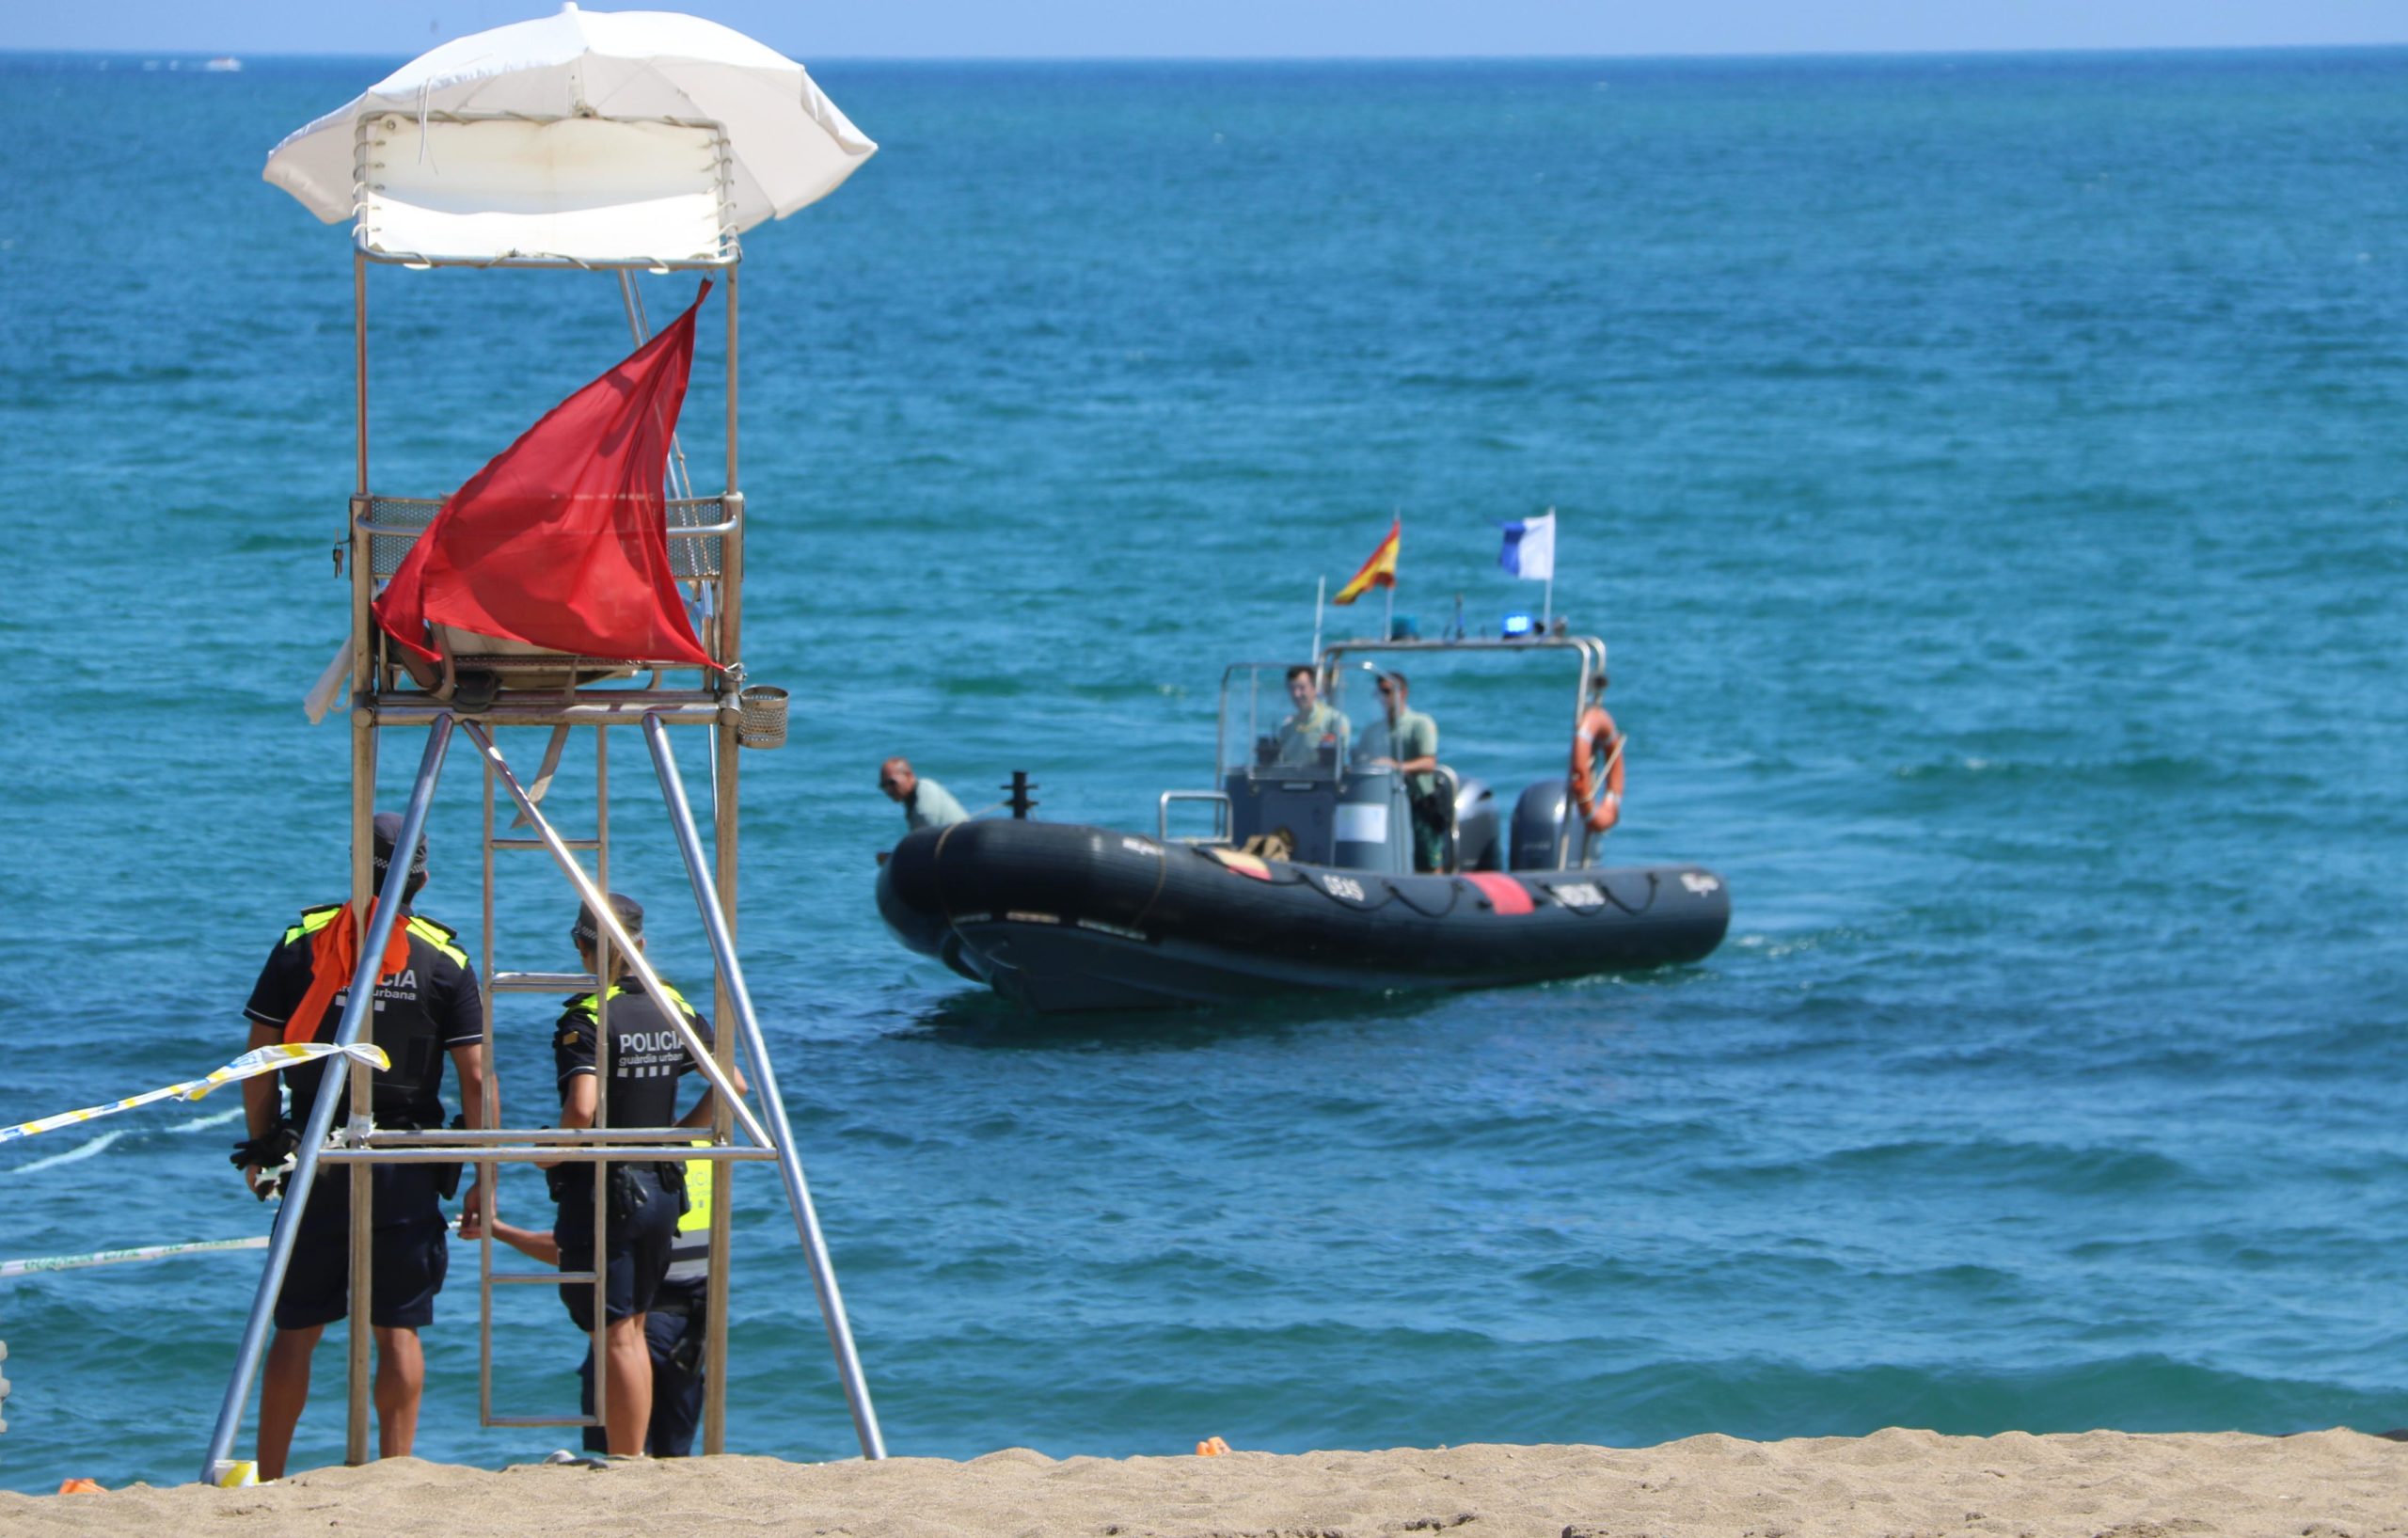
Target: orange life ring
[1600,804]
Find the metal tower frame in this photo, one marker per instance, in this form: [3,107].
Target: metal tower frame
[706,544]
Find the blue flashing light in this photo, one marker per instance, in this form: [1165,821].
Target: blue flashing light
[1520,627]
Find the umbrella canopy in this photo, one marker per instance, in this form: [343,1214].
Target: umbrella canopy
[587,136]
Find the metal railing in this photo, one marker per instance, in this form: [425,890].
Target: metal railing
[361,1145]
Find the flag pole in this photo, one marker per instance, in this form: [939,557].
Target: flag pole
[1396,526]
[1547,616]
[1321,596]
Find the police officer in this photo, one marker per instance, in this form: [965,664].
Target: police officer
[1413,751]
[426,1006]
[647,1056]
[1315,725]
[673,1329]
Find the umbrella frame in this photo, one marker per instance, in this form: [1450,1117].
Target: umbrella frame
[729,250]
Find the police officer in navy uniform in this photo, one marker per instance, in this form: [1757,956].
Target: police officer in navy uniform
[647,1056]
[426,1006]
[674,1327]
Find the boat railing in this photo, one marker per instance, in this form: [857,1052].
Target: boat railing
[1223,817]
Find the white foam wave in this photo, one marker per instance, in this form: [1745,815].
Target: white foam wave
[230,1114]
[82,1151]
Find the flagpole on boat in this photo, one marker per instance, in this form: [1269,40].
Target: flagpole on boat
[1546,614]
[1321,596]
[1396,524]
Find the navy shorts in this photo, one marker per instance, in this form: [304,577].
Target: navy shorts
[635,1254]
[409,1262]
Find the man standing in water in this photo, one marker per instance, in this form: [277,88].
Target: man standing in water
[426,1005]
[925,803]
[647,1056]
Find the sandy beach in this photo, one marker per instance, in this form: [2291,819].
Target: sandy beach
[2321,1485]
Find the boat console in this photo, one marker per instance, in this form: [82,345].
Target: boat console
[1330,803]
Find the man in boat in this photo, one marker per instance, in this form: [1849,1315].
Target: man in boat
[1413,751]
[426,1006]
[925,803]
[646,1201]
[673,1329]
[1314,726]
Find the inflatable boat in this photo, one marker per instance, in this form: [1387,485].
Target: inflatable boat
[1304,882]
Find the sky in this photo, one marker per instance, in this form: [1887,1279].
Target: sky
[1251,28]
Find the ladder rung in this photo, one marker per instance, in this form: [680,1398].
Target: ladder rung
[543,982]
[543,1420]
[545,1277]
[539,843]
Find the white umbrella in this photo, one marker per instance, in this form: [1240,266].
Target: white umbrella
[572,110]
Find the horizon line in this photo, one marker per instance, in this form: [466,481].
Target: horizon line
[2086,50]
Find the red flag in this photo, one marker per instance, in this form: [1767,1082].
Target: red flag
[561,541]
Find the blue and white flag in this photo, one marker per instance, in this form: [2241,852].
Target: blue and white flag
[1529,547]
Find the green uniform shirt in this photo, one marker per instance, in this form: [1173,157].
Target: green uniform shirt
[930,805]
[1415,735]
[1300,737]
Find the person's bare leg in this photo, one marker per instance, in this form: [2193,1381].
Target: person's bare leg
[284,1388]
[400,1380]
[629,1361]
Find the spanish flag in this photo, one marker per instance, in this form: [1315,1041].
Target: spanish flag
[1379,571]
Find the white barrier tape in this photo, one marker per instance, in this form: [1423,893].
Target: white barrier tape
[116,1257]
[146,1252]
[250,1065]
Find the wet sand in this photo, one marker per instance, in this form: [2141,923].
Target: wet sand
[2321,1485]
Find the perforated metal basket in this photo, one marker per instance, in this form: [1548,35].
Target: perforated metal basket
[761,717]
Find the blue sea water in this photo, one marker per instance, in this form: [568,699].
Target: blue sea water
[1988,475]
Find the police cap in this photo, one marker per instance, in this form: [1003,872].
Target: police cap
[388,832]
[630,918]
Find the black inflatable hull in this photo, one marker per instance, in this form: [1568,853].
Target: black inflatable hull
[1059,916]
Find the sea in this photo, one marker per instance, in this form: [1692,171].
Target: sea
[1988,474]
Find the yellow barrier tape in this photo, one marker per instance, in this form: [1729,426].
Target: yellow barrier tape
[250,1065]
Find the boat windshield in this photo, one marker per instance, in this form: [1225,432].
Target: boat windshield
[1277,724]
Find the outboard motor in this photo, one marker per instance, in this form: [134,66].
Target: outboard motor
[1538,825]
[1477,846]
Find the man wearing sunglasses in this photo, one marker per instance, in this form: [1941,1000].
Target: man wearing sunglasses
[1413,751]
[925,803]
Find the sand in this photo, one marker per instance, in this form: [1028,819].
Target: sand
[2321,1485]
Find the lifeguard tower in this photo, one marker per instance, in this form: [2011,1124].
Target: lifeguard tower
[589,143]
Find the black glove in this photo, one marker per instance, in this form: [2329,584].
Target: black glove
[268,1152]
